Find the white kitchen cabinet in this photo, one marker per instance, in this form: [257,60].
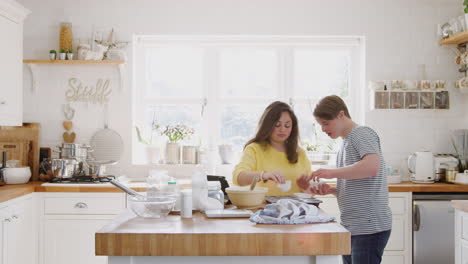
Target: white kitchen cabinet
[12,15]
[18,231]
[70,221]
[461,237]
[399,246]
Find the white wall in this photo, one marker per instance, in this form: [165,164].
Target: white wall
[400,37]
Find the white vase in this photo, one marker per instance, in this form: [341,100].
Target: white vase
[189,155]
[153,154]
[62,56]
[52,56]
[172,153]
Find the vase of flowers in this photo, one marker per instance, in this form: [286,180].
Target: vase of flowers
[175,134]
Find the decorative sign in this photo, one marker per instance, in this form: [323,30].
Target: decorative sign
[78,92]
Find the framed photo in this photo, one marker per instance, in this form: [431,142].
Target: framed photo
[442,100]
[412,100]
[397,100]
[382,100]
[427,100]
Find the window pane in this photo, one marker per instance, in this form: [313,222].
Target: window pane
[174,71]
[248,73]
[311,132]
[189,115]
[239,124]
[318,73]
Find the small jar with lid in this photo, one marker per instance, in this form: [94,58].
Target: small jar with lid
[216,195]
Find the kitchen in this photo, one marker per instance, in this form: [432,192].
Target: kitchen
[400,43]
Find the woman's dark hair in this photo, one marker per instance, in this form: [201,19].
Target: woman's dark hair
[329,107]
[270,117]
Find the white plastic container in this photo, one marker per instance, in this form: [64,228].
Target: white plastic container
[186,204]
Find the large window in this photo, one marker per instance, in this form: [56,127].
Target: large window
[220,85]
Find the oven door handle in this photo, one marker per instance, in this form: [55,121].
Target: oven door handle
[416,217]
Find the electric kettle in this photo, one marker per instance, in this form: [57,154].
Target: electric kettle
[421,167]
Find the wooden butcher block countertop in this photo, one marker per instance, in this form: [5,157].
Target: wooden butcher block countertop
[128,235]
[8,192]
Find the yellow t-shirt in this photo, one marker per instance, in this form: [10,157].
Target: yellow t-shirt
[266,158]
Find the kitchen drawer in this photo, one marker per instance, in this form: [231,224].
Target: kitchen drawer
[397,204]
[84,205]
[465,227]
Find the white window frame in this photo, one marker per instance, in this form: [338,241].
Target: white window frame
[214,103]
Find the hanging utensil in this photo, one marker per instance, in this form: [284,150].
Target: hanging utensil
[106,143]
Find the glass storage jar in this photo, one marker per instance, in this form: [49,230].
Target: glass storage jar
[66,37]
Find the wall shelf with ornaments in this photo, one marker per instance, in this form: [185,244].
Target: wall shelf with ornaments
[34,63]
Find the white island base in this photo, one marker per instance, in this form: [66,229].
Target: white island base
[226,260]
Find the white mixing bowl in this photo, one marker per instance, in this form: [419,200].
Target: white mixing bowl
[16,175]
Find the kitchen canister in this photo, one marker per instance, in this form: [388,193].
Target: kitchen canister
[186,204]
[66,37]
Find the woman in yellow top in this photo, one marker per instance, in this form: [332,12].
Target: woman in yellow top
[273,156]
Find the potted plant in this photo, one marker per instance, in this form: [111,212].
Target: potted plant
[175,134]
[70,54]
[63,54]
[318,151]
[153,146]
[52,54]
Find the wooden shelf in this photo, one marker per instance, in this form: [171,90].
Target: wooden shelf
[459,38]
[74,62]
[33,64]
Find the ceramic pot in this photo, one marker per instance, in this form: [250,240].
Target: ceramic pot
[172,153]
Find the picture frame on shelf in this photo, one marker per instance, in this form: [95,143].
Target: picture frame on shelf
[412,100]
[397,100]
[442,100]
[427,100]
[382,100]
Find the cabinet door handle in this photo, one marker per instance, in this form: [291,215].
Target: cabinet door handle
[81,205]
[7,220]
[15,217]
[2,102]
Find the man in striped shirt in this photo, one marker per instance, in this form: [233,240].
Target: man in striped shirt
[361,189]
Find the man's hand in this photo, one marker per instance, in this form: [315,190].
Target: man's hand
[323,173]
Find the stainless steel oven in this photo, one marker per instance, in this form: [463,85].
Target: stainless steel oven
[433,227]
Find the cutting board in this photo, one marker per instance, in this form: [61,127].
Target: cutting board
[29,132]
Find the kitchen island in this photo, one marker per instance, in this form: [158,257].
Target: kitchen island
[129,239]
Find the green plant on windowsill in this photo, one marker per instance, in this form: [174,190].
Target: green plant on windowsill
[177,133]
[465,4]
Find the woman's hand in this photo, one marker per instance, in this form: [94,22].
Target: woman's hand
[303,182]
[321,189]
[276,176]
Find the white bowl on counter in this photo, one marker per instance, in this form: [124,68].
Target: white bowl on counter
[19,175]
[394,179]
